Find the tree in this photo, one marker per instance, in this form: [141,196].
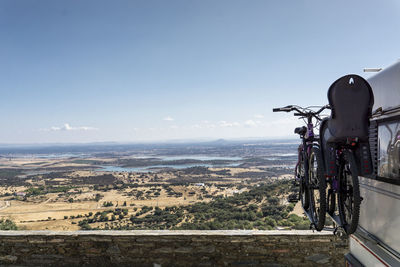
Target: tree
[107,204]
[7,224]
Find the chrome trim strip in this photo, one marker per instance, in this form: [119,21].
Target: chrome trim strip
[376,241]
[380,190]
[380,249]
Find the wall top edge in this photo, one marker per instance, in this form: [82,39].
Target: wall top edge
[167,233]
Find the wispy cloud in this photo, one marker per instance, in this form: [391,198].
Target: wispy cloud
[258,116]
[168,118]
[204,124]
[67,127]
[228,124]
[207,124]
[252,123]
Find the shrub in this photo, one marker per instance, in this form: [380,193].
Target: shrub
[7,224]
[108,204]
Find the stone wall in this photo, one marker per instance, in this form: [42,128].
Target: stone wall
[171,248]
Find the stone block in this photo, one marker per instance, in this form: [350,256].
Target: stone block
[145,245]
[13,240]
[286,250]
[200,239]
[319,258]
[37,241]
[133,252]
[186,249]
[114,249]
[95,238]
[205,249]
[8,259]
[163,250]
[315,240]
[151,239]
[92,250]
[242,240]
[56,240]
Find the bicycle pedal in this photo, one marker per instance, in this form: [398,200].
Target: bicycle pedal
[340,232]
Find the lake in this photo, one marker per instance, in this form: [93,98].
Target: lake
[154,168]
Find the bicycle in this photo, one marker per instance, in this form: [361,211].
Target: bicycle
[309,170]
[345,154]
[345,145]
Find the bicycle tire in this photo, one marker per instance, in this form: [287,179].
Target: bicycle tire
[330,201]
[349,193]
[303,192]
[317,185]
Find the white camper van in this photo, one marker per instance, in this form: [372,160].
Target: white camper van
[377,239]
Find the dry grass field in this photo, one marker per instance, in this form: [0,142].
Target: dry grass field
[59,211]
[56,193]
[47,212]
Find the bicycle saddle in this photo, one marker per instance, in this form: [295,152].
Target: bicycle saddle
[300,130]
[351,100]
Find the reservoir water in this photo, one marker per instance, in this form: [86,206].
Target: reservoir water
[154,168]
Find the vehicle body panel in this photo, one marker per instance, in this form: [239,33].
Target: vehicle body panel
[377,239]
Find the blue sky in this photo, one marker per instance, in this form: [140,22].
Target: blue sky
[129,71]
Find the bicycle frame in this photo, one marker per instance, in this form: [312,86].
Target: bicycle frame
[337,153]
[311,176]
[309,140]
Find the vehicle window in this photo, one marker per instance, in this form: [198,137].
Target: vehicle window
[389,150]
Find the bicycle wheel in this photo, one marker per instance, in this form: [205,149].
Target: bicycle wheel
[304,194]
[349,193]
[317,185]
[330,201]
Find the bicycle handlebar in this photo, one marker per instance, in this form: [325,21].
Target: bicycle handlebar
[301,112]
[323,108]
[285,109]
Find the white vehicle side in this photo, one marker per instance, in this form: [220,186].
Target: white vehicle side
[377,239]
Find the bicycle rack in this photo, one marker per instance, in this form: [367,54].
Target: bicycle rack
[336,219]
[338,230]
[312,223]
[312,227]
[308,215]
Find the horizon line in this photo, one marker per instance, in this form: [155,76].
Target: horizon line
[167,141]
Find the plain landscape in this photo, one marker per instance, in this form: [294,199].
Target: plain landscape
[206,185]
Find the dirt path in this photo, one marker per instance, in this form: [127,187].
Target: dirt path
[54,210]
[6,205]
[298,210]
